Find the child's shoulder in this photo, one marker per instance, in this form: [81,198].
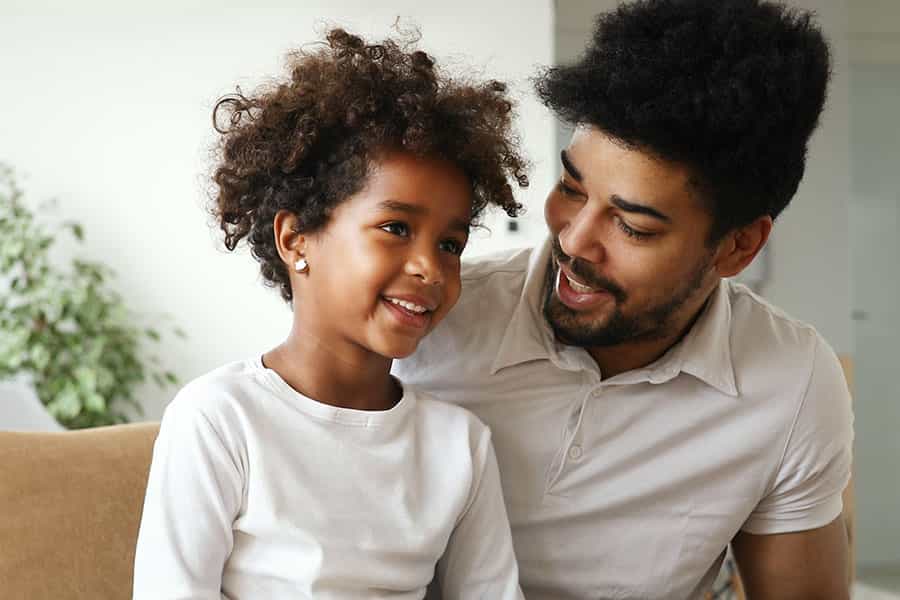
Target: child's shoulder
[450,420]
[222,390]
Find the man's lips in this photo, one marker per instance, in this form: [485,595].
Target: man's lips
[571,292]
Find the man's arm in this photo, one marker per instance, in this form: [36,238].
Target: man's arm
[804,565]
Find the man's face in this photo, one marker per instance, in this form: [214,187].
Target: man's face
[631,260]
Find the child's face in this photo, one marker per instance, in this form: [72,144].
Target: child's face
[385,270]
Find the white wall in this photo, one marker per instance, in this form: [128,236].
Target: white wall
[875,253]
[809,259]
[107,107]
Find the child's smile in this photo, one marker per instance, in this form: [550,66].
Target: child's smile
[411,311]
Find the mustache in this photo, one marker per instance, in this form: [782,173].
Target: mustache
[578,267]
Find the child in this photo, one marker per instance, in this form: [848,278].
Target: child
[310,472]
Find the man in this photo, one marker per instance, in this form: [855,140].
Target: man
[646,411]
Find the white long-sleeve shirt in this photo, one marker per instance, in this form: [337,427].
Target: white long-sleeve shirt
[256,491]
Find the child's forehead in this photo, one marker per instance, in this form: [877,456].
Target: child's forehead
[418,185]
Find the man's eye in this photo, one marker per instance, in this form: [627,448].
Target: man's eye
[632,232]
[396,228]
[452,246]
[566,189]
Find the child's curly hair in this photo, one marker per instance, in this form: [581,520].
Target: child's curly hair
[306,144]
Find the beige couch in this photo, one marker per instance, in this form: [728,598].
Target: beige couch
[70,506]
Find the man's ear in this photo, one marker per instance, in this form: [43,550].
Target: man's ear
[739,247]
[289,242]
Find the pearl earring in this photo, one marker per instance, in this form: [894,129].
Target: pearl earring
[301,266]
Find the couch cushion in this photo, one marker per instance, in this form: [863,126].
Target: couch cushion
[70,507]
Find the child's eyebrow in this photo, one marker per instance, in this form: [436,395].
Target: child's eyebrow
[461,225]
[414,209]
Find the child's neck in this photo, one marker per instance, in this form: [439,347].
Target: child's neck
[352,379]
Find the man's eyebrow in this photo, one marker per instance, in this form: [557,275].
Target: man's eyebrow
[643,209]
[568,166]
[459,225]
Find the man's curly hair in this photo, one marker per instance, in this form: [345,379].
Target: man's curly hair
[308,143]
[733,89]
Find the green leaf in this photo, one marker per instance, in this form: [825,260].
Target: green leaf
[40,356]
[95,403]
[76,229]
[66,404]
[86,378]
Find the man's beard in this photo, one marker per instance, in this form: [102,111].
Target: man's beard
[653,323]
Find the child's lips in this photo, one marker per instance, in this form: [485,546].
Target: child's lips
[429,304]
[409,318]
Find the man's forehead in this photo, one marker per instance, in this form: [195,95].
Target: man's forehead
[598,159]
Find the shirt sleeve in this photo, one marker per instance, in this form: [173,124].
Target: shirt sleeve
[815,468]
[479,561]
[194,492]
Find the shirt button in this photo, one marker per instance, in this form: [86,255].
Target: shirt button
[575,452]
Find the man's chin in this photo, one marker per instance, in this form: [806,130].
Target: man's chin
[587,330]
[573,328]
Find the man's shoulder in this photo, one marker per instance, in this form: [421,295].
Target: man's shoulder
[766,339]
[491,290]
[752,316]
[501,263]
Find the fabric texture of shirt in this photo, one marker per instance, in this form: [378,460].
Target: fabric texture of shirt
[256,491]
[633,486]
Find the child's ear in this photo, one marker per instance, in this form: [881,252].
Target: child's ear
[740,247]
[288,240]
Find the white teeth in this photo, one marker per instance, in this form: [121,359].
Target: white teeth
[409,306]
[581,289]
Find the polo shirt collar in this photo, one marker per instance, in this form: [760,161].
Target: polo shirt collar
[704,352]
[528,336]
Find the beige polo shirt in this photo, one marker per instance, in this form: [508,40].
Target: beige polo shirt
[633,486]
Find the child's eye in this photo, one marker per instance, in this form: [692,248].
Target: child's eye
[631,232]
[396,228]
[452,246]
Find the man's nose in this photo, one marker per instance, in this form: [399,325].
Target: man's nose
[580,236]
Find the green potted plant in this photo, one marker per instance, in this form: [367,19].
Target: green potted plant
[63,327]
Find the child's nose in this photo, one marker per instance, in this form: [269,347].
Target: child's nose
[426,265]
